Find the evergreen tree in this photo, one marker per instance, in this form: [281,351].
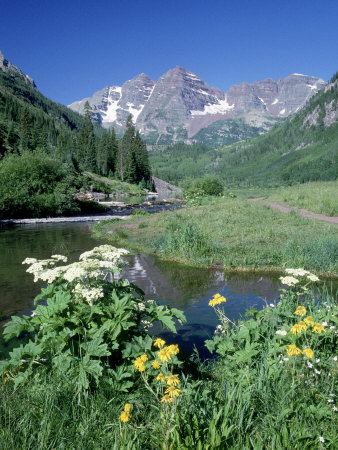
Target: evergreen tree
[86,145]
[125,147]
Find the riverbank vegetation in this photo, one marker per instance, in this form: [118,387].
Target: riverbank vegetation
[89,375]
[230,233]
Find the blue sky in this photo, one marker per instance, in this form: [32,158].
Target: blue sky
[74,48]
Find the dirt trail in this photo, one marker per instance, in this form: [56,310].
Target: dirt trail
[283,207]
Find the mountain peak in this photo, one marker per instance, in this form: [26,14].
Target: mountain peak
[8,67]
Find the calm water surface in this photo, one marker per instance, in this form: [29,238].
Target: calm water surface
[185,288]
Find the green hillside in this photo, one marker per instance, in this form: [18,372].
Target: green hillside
[302,148]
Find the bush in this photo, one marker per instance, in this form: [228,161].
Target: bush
[35,185]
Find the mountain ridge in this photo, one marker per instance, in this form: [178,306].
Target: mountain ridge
[180,104]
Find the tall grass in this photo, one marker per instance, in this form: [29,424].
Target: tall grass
[319,197]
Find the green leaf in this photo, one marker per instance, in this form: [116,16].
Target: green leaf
[16,326]
[95,347]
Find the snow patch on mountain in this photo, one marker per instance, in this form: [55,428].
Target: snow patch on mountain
[221,107]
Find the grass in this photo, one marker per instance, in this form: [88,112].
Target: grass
[319,197]
[233,233]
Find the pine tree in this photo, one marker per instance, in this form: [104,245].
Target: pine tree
[125,147]
[86,144]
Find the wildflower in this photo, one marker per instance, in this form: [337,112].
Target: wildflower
[321,439]
[312,277]
[124,417]
[30,261]
[285,359]
[173,348]
[293,350]
[60,258]
[335,358]
[309,364]
[300,311]
[296,329]
[160,377]
[173,392]
[309,321]
[127,407]
[173,380]
[308,353]
[159,343]
[164,354]
[330,400]
[281,332]
[324,324]
[289,281]
[156,364]
[297,272]
[139,363]
[272,305]
[217,300]
[335,409]
[318,360]
[144,357]
[318,328]
[317,372]
[166,399]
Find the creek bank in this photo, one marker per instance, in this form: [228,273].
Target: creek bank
[119,210]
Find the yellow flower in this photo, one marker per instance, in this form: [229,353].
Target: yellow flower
[164,354]
[166,399]
[173,349]
[160,377]
[217,300]
[124,417]
[173,380]
[156,364]
[318,328]
[144,357]
[308,353]
[303,325]
[300,311]
[296,329]
[127,407]
[173,392]
[159,343]
[293,350]
[139,363]
[309,321]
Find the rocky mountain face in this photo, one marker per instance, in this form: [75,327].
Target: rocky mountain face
[7,67]
[180,104]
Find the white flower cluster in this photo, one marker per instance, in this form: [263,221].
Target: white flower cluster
[60,258]
[302,273]
[146,324]
[219,330]
[92,264]
[281,332]
[104,252]
[140,306]
[90,294]
[289,281]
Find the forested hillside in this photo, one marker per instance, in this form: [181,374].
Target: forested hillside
[45,147]
[302,148]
